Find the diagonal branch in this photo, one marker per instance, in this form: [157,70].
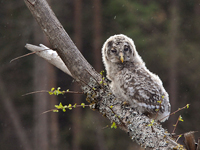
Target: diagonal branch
[139,127]
[60,40]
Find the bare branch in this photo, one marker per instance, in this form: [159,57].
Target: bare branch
[50,55]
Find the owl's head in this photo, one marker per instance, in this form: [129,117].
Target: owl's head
[120,49]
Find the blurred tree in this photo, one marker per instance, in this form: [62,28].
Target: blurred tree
[14,117]
[77,113]
[173,57]
[14,125]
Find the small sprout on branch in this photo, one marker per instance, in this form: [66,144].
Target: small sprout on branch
[64,110]
[186,106]
[179,137]
[56,92]
[114,125]
[101,73]
[75,105]
[159,102]
[179,119]
[116,115]
[152,122]
[69,106]
[55,110]
[60,106]
[157,110]
[83,105]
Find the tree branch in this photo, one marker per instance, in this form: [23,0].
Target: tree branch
[60,40]
[139,127]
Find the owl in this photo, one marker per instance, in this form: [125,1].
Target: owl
[131,81]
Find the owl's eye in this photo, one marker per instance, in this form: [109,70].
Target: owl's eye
[126,49]
[113,50]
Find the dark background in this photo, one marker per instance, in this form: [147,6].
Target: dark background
[166,35]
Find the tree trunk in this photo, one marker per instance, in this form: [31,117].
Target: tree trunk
[46,125]
[54,126]
[41,101]
[14,116]
[173,57]
[76,116]
[40,105]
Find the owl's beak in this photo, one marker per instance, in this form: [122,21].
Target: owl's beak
[121,57]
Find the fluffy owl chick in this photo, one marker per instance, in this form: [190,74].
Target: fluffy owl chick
[131,81]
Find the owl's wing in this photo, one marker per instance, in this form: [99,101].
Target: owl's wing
[142,88]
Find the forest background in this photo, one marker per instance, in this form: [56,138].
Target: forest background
[166,35]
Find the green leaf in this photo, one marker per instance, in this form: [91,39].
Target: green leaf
[187,106]
[70,106]
[50,93]
[75,105]
[60,106]
[114,125]
[55,110]
[102,72]
[83,105]
[159,102]
[180,118]
[152,122]
[52,89]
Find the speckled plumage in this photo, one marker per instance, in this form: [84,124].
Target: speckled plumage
[131,81]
